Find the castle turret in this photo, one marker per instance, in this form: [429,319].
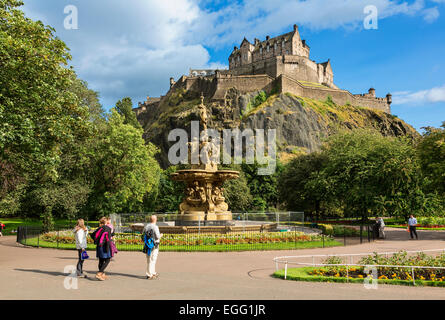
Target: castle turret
[389,98]
[371,92]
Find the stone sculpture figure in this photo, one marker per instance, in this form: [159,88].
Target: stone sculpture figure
[203,196]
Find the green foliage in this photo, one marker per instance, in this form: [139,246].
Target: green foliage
[256,101]
[125,108]
[42,110]
[329,101]
[263,188]
[326,229]
[295,186]
[358,173]
[431,150]
[125,169]
[169,193]
[333,260]
[237,193]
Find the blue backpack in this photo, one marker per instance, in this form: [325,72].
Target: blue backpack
[148,243]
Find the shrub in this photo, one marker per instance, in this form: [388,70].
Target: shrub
[326,229]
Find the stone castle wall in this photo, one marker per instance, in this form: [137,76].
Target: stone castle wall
[297,67]
[340,97]
[216,86]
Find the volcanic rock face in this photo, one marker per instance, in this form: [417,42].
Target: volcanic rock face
[301,124]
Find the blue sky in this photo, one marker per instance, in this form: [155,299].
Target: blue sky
[132,47]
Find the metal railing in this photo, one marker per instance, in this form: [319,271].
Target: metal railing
[246,231]
[287,260]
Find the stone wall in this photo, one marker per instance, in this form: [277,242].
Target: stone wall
[244,84]
[340,97]
[216,86]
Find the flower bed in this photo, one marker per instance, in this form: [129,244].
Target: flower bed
[424,223]
[387,274]
[122,239]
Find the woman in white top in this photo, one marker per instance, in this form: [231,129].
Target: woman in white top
[81,233]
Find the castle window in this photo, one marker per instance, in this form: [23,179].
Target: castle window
[282,43]
[287,51]
[268,48]
[261,50]
[275,46]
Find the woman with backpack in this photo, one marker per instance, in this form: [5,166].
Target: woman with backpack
[81,233]
[102,239]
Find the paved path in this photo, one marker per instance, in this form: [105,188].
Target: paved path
[31,273]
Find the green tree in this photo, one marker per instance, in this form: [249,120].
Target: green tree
[263,188]
[301,187]
[125,108]
[364,167]
[169,193]
[39,113]
[431,151]
[125,169]
[237,192]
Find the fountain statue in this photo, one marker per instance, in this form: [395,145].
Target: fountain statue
[203,199]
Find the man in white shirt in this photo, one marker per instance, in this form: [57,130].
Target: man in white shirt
[152,258]
[382,228]
[412,224]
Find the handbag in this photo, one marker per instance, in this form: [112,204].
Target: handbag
[84,255]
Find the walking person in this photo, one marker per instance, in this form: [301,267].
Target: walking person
[412,224]
[151,231]
[375,229]
[2,226]
[102,239]
[80,232]
[112,243]
[382,228]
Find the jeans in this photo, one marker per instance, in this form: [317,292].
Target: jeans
[79,263]
[103,263]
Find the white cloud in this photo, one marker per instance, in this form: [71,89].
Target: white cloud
[431,14]
[255,18]
[421,97]
[132,47]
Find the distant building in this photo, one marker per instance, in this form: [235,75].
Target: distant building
[285,54]
[280,64]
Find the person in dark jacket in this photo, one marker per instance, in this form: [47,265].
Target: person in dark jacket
[102,239]
[376,229]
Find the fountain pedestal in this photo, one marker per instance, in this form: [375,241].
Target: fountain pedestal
[203,200]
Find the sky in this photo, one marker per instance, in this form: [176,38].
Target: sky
[133,47]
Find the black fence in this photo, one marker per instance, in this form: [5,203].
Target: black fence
[266,233]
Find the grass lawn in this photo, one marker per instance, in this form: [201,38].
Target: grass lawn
[13,223]
[301,274]
[418,228]
[215,248]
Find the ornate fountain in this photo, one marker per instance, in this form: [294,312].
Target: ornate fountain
[203,201]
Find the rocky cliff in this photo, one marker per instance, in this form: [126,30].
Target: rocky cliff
[301,123]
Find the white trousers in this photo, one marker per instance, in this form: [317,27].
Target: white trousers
[151,262]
